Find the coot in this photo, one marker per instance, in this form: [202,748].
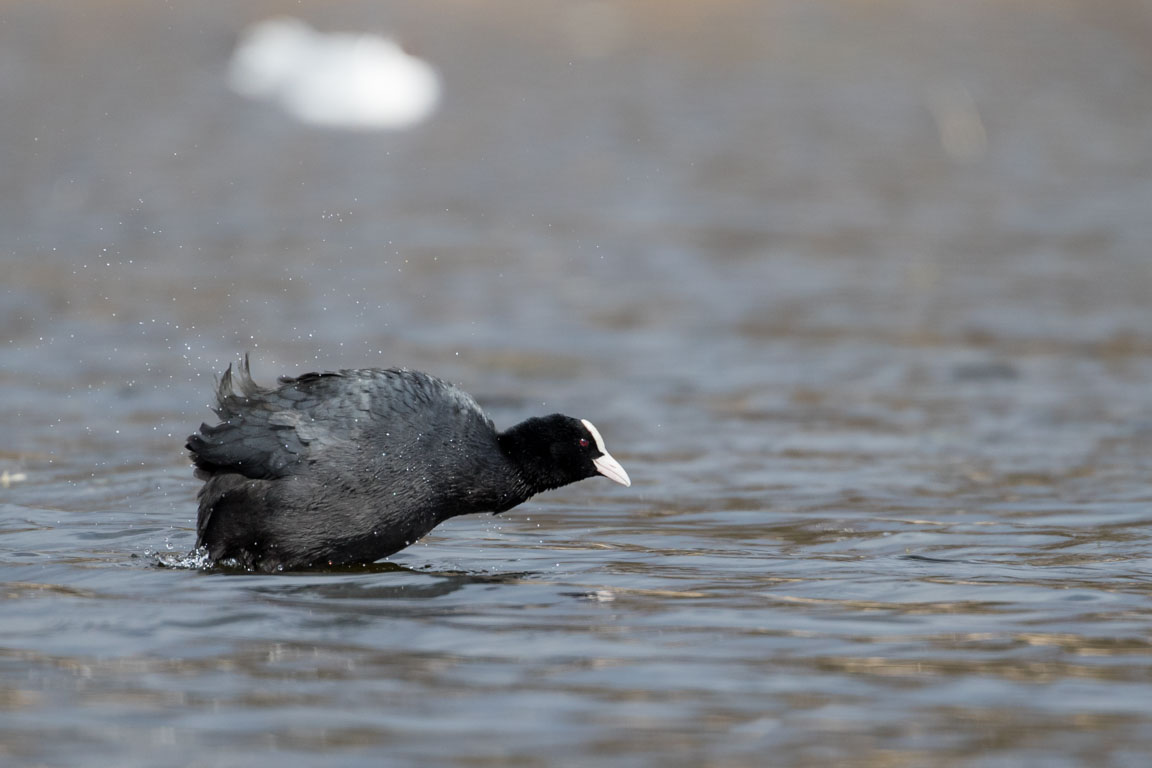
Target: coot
[350,466]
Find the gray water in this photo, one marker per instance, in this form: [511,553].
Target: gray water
[859,293]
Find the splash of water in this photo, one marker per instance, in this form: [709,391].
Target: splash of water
[196,559]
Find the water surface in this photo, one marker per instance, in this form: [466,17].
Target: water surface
[859,294]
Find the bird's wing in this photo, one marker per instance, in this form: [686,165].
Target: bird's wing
[267,433]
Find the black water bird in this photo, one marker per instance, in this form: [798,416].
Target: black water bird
[350,466]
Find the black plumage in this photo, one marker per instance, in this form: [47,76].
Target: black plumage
[350,466]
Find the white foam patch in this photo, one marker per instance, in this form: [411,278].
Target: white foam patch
[595,435]
[354,81]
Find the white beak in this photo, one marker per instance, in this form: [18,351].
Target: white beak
[611,469]
[606,465]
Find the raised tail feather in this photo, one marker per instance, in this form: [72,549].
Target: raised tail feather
[227,399]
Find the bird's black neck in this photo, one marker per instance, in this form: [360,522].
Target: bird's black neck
[528,452]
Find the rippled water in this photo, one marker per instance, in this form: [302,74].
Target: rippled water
[860,294]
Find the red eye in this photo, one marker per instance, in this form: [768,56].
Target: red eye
[583,442]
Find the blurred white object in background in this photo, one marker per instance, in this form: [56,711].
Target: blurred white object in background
[355,81]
